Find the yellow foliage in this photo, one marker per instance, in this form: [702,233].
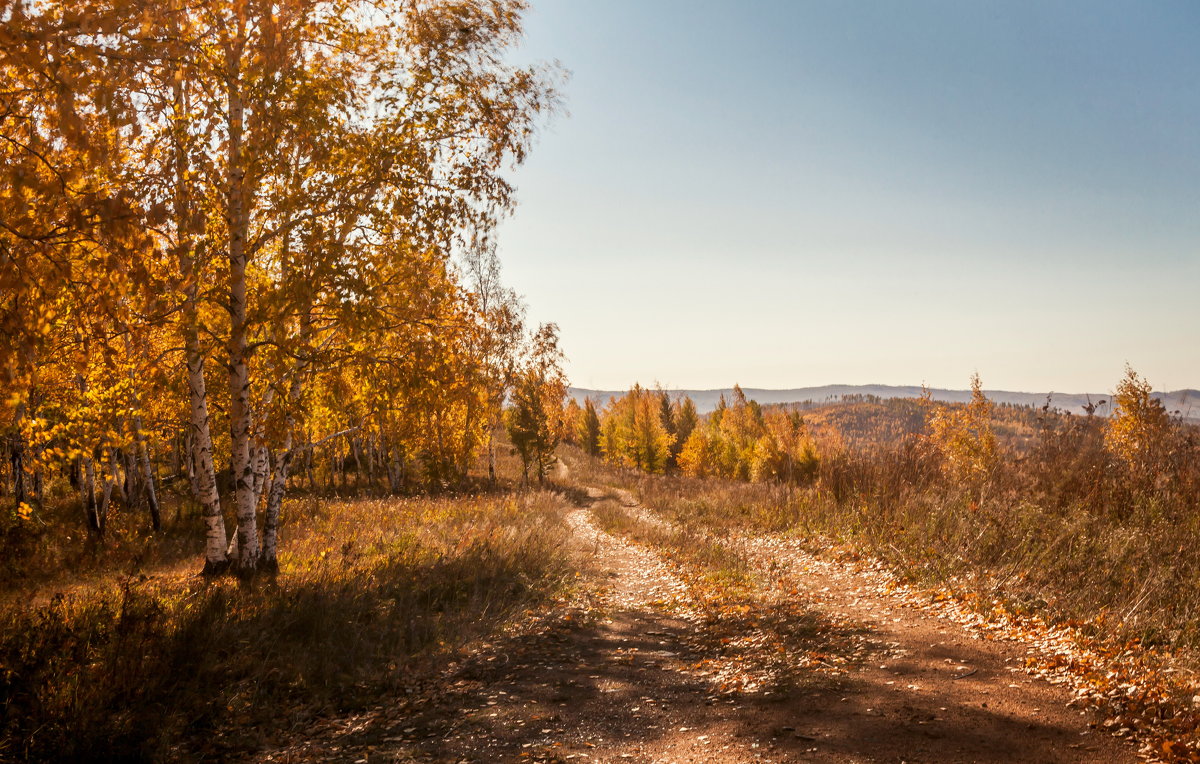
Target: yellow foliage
[697,457]
[633,434]
[1139,425]
[742,442]
[963,436]
[785,451]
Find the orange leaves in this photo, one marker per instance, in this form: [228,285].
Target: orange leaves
[1173,750]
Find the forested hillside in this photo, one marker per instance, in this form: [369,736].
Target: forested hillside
[1184,403]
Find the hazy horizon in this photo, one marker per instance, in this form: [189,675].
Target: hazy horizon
[962,388]
[792,193]
[1185,402]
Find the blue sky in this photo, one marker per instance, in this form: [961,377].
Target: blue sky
[796,193]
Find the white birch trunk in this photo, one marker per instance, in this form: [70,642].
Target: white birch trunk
[262,470]
[201,472]
[283,460]
[239,372]
[204,482]
[110,481]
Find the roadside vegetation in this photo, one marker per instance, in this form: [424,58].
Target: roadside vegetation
[151,662]
[1032,520]
[1082,519]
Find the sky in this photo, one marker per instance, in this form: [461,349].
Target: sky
[795,193]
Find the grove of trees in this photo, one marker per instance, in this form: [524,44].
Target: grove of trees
[649,431]
[1139,447]
[228,244]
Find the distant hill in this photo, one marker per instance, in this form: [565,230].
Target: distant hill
[1186,402]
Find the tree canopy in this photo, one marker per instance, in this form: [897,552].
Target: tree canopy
[232,228]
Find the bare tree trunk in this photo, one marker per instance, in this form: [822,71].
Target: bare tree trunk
[114,469]
[262,469]
[372,484]
[176,454]
[132,482]
[356,451]
[143,456]
[332,461]
[132,472]
[341,461]
[189,462]
[283,461]
[95,512]
[491,453]
[34,451]
[308,468]
[394,469]
[204,476]
[112,480]
[17,459]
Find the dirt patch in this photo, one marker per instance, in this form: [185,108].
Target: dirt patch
[935,692]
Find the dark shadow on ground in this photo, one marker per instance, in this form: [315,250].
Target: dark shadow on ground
[590,687]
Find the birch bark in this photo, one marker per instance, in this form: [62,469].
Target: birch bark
[239,372]
[202,473]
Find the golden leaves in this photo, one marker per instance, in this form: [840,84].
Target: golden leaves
[963,436]
[1139,425]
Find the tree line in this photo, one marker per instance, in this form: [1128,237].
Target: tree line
[650,431]
[244,238]
[1139,446]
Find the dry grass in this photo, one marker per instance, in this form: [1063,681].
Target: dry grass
[1057,528]
[712,564]
[163,665]
[53,551]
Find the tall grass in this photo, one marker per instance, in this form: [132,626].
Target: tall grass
[1057,527]
[170,666]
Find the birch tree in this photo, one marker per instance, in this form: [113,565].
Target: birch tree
[535,418]
[279,183]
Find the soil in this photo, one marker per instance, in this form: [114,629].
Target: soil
[627,671]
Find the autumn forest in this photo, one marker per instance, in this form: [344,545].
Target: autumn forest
[287,473]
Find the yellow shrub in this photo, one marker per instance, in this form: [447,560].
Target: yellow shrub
[1139,426]
[963,436]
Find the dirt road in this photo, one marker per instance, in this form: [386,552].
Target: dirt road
[629,672]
